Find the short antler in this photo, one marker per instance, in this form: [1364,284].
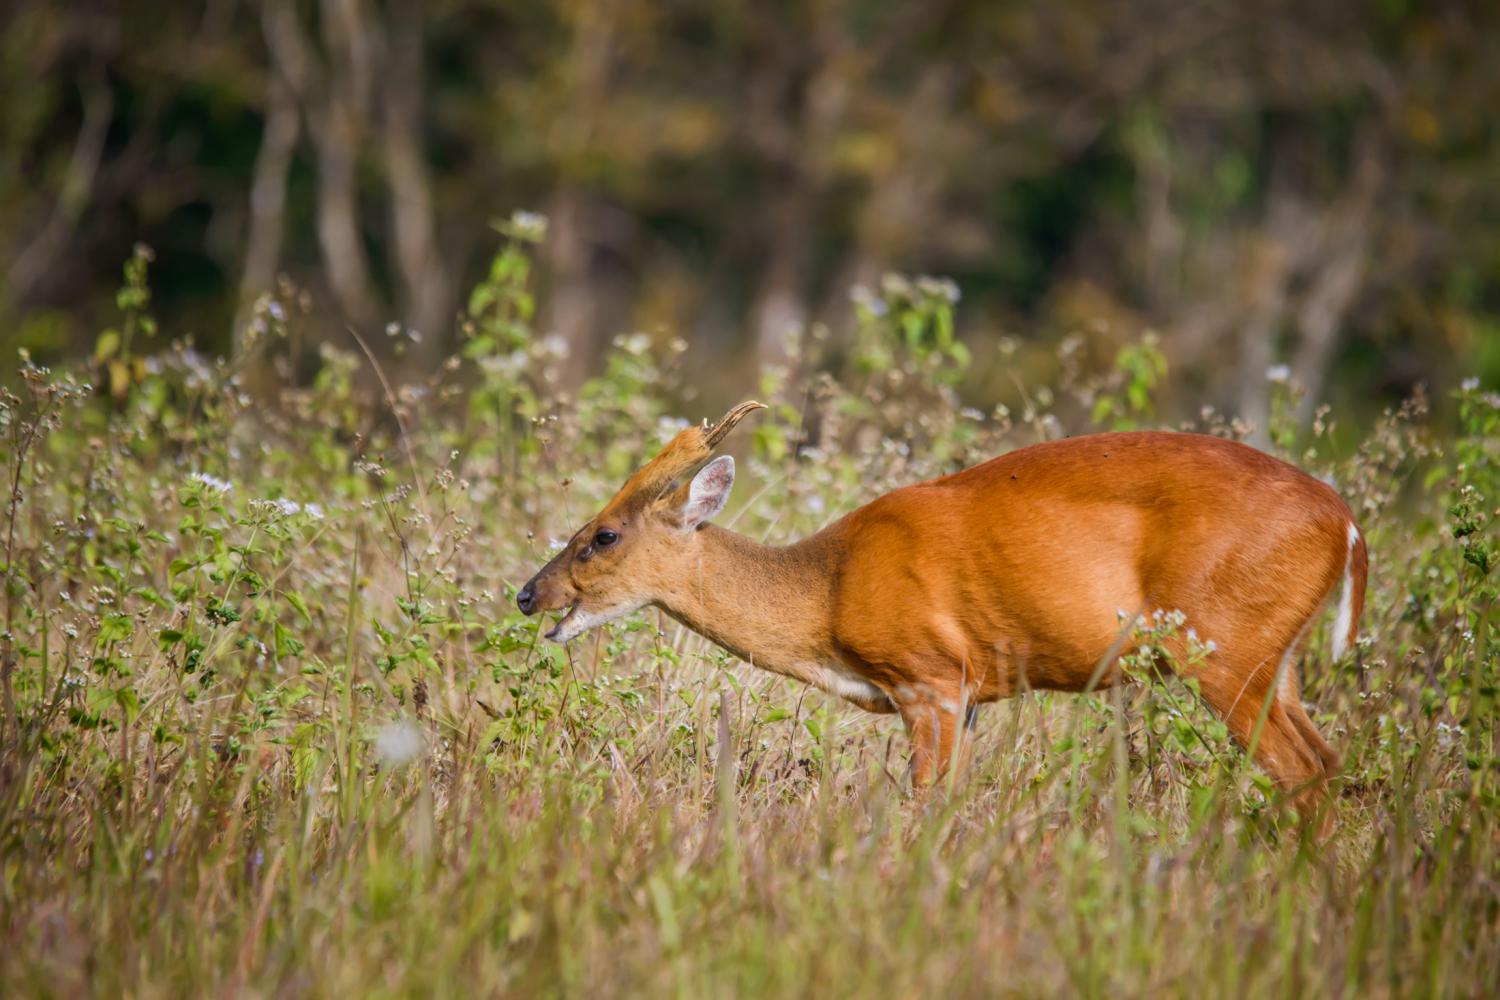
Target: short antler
[726,423]
[689,449]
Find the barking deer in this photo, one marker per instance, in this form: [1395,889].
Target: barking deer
[1006,576]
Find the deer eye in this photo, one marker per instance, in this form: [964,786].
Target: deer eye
[605,538]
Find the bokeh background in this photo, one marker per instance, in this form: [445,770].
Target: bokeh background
[1268,184]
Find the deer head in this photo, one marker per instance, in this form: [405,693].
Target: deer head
[632,550]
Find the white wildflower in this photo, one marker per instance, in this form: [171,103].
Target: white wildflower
[867,300]
[939,288]
[1470,384]
[1279,374]
[399,743]
[895,286]
[528,226]
[213,482]
[636,343]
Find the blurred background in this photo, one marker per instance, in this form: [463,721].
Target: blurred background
[1306,189]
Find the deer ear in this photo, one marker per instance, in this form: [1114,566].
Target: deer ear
[707,493]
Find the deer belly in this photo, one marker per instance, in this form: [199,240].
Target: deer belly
[849,685]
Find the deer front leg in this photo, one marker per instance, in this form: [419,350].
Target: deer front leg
[932,729]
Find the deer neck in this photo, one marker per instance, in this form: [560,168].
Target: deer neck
[769,605]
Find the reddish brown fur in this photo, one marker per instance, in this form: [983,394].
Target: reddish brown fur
[1007,576]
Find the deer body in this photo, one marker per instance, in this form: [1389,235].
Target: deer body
[1010,575]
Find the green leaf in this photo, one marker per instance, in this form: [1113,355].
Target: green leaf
[296,600]
[287,644]
[149,594]
[129,703]
[107,345]
[116,627]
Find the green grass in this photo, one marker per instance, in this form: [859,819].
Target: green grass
[254,746]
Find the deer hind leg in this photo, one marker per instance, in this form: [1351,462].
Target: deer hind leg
[1256,697]
[1291,700]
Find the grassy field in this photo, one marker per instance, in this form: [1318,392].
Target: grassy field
[273,726]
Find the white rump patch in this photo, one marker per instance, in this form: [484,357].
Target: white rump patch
[1345,618]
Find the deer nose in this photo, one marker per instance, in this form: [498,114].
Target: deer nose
[526,599]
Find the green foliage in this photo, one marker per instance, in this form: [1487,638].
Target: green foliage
[910,318]
[501,306]
[116,352]
[262,665]
[1140,368]
[498,336]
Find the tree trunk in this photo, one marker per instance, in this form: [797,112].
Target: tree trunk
[333,101]
[1344,263]
[267,199]
[901,208]
[1265,304]
[338,218]
[780,306]
[423,276]
[37,259]
[1319,322]
[570,299]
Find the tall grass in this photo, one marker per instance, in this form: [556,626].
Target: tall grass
[272,725]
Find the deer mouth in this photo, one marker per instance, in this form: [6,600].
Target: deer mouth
[555,633]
